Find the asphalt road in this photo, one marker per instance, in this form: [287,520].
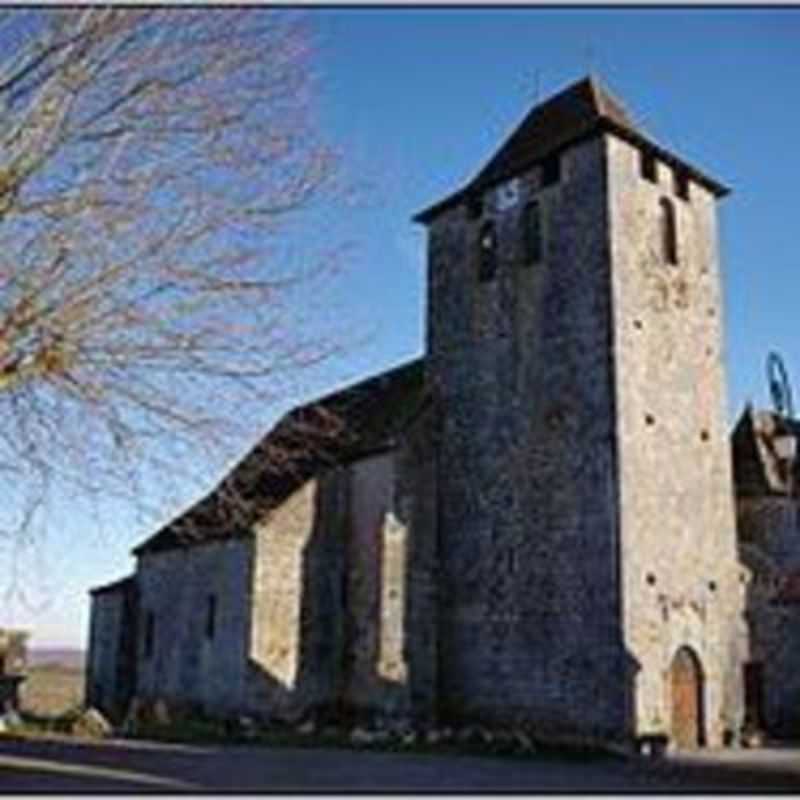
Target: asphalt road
[70,767]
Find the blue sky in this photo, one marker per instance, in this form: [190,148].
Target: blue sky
[417,100]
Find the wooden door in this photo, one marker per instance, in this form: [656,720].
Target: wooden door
[687,700]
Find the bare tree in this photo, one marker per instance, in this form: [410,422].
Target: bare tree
[152,163]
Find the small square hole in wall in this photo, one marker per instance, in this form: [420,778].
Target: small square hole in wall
[651,579]
[704,435]
[649,419]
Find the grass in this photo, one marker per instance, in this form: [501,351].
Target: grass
[50,700]
[51,690]
[53,694]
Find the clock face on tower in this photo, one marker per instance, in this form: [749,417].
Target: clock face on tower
[507,195]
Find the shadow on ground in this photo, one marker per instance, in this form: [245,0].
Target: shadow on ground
[56,766]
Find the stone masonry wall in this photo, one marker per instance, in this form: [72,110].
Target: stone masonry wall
[529,601]
[377,543]
[771,525]
[681,581]
[295,651]
[186,665]
[106,621]
[769,546]
[390,594]
[416,497]
[312,612]
[334,623]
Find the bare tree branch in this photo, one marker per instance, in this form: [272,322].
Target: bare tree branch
[150,162]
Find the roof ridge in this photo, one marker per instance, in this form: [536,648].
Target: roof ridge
[582,109]
[371,421]
[594,89]
[602,97]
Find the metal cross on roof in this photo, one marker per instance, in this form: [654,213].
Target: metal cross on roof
[779,387]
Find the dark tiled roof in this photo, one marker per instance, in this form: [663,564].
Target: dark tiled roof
[116,586]
[757,468]
[548,127]
[580,110]
[336,429]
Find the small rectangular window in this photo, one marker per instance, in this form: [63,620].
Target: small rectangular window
[149,633]
[551,170]
[681,184]
[532,233]
[647,166]
[211,616]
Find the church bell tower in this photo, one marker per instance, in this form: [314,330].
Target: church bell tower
[586,535]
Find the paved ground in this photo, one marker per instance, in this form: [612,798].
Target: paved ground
[68,767]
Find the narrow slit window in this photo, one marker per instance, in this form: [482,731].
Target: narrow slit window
[211,616]
[488,253]
[149,633]
[647,166]
[532,233]
[669,233]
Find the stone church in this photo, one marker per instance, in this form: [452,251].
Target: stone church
[766,472]
[532,525]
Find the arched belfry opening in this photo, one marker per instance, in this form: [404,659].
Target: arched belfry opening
[687,724]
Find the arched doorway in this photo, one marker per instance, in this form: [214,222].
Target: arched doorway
[686,683]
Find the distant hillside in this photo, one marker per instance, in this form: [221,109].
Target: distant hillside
[64,657]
